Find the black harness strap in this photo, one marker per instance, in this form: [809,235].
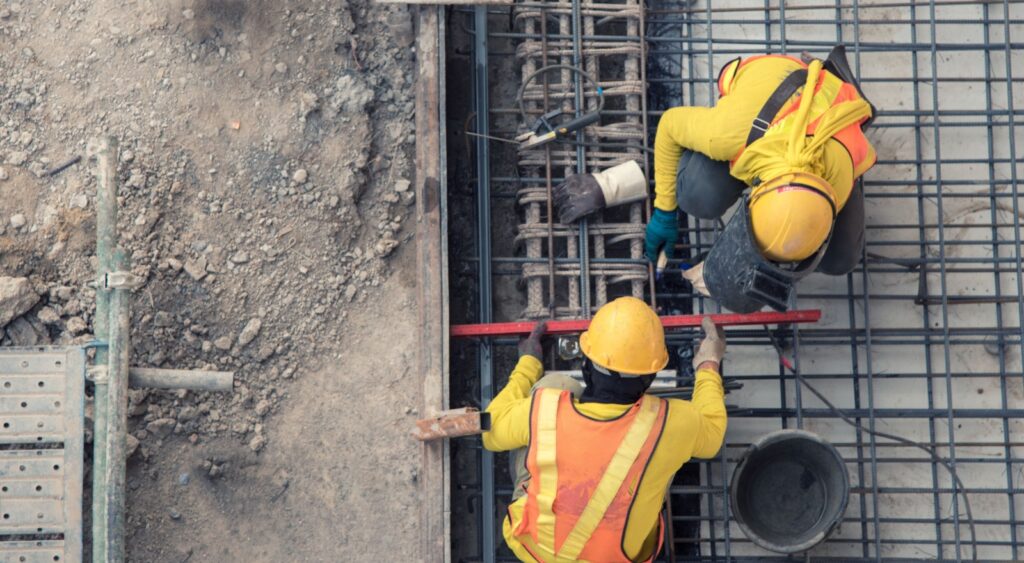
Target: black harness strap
[779,97]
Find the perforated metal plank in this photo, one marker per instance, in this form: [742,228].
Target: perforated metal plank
[41,448]
[42,551]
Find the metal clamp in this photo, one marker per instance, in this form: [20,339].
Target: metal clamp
[568,347]
[98,374]
[122,280]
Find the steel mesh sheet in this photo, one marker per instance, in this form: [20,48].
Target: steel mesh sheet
[922,340]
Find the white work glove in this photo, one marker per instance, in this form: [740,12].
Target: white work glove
[582,194]
[695,276]
[712,348]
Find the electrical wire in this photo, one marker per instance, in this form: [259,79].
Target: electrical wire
[931,451]
[539,71]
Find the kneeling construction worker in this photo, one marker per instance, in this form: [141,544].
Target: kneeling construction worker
[592,464]
[791,132]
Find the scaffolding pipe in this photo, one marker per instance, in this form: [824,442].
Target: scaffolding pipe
[105,150]
[119,350]
[488,533]
[193,380]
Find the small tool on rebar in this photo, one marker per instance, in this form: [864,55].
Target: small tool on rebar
[549,126]
[545,130]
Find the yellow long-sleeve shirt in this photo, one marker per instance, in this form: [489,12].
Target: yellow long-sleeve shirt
[692,429]
[720,132]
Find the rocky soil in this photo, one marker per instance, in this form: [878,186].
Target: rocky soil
[266,159]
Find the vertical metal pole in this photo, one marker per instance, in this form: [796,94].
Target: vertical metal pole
[926,316]
[1015,204]
[106,239]
[940,222]
[117,421]
[483,193]
[581,157]
[854,346]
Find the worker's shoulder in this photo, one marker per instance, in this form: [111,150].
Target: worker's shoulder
[680,411]
[681,421]
[772,60]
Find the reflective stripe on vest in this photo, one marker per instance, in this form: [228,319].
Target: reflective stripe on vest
[829,91]
[577,505]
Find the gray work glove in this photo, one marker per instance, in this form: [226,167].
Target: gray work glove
[579,195]
[582,194]
[712,348]
[531,345]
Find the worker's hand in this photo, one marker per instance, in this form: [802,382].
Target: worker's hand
[662,233]
[712,348]
[578,196]
[531,345]
[582,194]
[695,276]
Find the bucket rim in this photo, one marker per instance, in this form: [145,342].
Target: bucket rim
[770,439]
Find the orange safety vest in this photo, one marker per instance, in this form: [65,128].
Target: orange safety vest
[584,475]
[829,91]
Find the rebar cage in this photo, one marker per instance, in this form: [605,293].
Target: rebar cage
[922,340]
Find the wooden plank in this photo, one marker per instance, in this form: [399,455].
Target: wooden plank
[431,264]
[466,421]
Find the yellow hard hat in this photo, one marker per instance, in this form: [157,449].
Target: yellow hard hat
[626,336]
[791,216]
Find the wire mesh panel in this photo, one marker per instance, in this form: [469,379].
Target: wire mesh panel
[594,53]
[921,341]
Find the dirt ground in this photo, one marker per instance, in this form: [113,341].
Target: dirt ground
[266,160]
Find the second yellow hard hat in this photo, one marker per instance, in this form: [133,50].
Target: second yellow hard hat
[792,216]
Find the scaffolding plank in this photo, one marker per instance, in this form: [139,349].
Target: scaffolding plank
[44,551]
[41,412]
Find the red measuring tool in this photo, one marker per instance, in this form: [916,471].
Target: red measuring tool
[669,322]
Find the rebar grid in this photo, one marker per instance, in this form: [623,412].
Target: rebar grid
[555,33]
[937,359]
[922,340]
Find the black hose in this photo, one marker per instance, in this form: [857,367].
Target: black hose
[539,71]
[905,441]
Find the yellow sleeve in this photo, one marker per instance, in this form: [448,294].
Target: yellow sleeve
[678,129]
[510,409]
[719,133]
[709,402]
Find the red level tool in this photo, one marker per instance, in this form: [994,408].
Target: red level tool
[669,322]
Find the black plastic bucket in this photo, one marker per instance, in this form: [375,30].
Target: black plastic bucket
[789,491]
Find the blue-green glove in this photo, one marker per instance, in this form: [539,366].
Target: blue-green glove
[662,231]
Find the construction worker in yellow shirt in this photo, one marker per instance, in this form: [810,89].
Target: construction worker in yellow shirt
[592,464]
[791,132]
